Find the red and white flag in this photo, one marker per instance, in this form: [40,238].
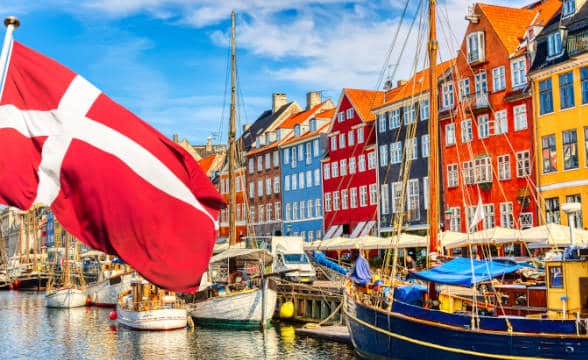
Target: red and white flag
[112,180]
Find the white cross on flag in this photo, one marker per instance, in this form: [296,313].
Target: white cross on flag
[112,180]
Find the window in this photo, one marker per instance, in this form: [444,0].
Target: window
[425,145]
[344,199]
[363,196]
[373,194]
[412,200]
[259,188]
[302,210]
[483,170]
[548,153]
[352,165]
[383,155]
[252,214]
[520,117]
[468,172]
[455,219]
[333,143]
[475,47]
[481,84]
[341,116]
[327,171]
[371,160]
[309,209]
[317,208]
[470,211]
[360,135]
[489,218]
[294,182]
[466,130]
[555,276]
[584,84]
[395,119]
[294,157]
[554,44]
[382,122]
[506,217]
[350,113]
[426,191]
[464,89]
[409,113]
[269,212]
[342,141]
[328,202]
[251,190]
[335,200]
[278,210]
[335,169]
[385,206]
[361,163]
[576,198]
[498,79]
[343,167]
[452,177]
[569,7]
[503,167]
[351,138]
[500,122]
[276,185]
[566,90]
[545,97]
[301,182]
[268,163]
[523,164]
[316,147]
[483,126]
[317,177]
[268,186]
[252,165]
[308,178]
[353,197]
[260,214]
[259,163]
[300,152]
[308,153]
[396,152]
[411,148]
[295,212]
[276,158]
[449,134]
[518,68]
[424,109]
[570,149]
[396,197]
[447,95]
[552,211]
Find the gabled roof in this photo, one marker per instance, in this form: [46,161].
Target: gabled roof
[510,24]
[545,10]
[206,162]
[300,117]
[364,101]
[306,135]
[264,121]
[327,114]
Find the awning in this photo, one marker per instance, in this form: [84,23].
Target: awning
[244,254]
[368,227]
[358,228]
[329,234]
[459,272]
[339,231]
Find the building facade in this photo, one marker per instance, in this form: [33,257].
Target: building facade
[560,88]
[349,171]
[241,207]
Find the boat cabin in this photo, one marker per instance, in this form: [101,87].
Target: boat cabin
[567,287]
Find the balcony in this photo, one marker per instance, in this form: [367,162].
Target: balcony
[478,103]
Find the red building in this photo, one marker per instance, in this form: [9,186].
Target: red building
[349,171]
[241,206]
[486,119]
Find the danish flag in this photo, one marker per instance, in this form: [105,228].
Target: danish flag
[112,181]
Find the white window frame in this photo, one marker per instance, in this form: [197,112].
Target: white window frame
[335,200]
[363,201]
[352,165]
[333,142]
[394,119]
[450,134]
[504,169]
[425,151]
[360,135]
[483,126]
[518,70]
[383,155]
[506,215]
[351,138]
[523,164]
[520,117]
[350,113]
[327,201]
[353,197]
[466,131]
[327,170]
[276,185]
[334,169]
[361,163]
[475,47]
[371,160]
[344,199]
[373,193]
[452,175]
[396,152]
[384,199]
[500,122]
[342,139]
[498,78]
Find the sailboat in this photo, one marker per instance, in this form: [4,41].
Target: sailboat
[389,326]
[112,278]
[71,292]
[231,300]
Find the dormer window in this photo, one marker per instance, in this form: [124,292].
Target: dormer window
[297,130]
[475,47]
[313,125]
[268,139]
[554,44]
[569,7]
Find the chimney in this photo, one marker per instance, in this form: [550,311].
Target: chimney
[246,127]
[388,85]
[278,100]
[312,98]
[399,83]
[209,144]
[176,139]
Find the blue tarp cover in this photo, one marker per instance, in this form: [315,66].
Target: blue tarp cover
[322,259]
[459,272]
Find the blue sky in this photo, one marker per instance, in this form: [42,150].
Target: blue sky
[166,60]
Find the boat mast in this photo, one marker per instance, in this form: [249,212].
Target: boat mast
[434,202]
[66,277]
[232,150]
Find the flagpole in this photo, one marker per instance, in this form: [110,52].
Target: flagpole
[11,23]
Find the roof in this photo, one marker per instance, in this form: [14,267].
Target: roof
[545,10]
[510,24]
[261,124]
[206,163]
[327,114]
[364,101]
[300,117]
[307,135]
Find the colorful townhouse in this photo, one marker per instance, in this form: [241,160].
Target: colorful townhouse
[350,192]
[559,77]
[263,168]
[241,204]
[302,177]
[486,119]
[403,148]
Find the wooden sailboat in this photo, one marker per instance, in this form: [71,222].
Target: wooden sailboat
[231,303]
[112,279]
[384,326]
[71,292]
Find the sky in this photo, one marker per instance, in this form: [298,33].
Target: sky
[167,60]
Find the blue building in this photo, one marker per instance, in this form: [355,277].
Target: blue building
[302,177]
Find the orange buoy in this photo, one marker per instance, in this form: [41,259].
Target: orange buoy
[88,301]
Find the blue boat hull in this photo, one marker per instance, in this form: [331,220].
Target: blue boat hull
[378,334]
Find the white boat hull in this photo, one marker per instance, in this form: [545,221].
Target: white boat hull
[159,319]
[241,309]
[66,298]
[105,293]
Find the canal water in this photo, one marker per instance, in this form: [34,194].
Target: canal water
[29,330]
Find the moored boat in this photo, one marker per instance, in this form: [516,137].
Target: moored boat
[67,297]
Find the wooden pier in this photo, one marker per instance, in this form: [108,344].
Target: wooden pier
[312,303]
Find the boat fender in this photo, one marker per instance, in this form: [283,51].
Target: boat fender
[113,315]
[190,323]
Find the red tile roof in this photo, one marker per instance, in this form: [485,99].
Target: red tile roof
[327,114]
[307,135]
[510,24]
[300,117]
[545,10]
[206,163]
[364,101]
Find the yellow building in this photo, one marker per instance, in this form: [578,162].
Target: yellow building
[559,78]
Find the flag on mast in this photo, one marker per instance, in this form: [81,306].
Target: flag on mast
[112,180]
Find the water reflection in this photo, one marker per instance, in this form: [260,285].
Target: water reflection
[31,330]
